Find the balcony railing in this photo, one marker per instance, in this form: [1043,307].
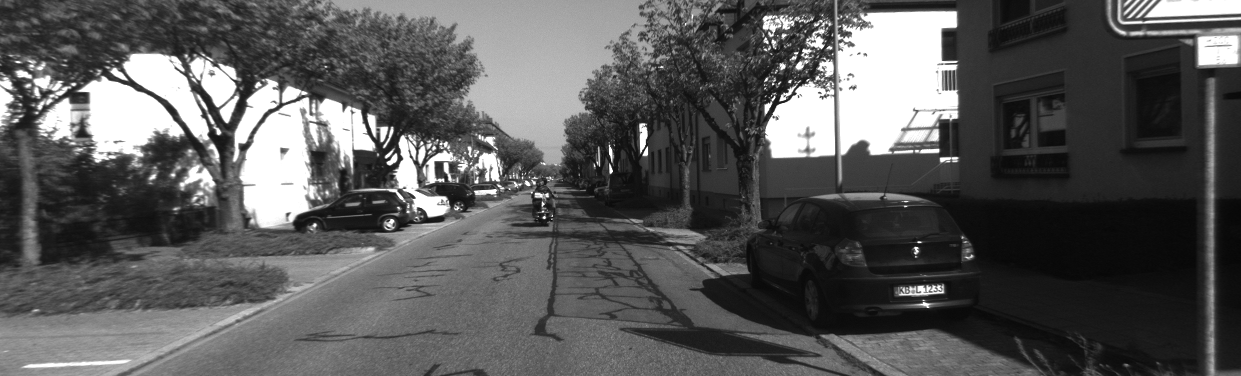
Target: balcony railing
[946,75]
[1054,164]
[1028,28]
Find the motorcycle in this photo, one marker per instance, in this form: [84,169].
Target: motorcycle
[544,214]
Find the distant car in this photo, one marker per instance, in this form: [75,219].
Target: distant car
[460,196]
[385,209]
[866,254]
[500,187]
[511,185]
[431,206]
[485,189]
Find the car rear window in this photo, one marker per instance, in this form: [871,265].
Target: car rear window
[426,192]
[908,222]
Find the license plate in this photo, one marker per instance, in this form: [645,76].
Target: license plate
[919,290]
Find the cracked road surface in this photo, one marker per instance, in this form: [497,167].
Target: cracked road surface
[496,294]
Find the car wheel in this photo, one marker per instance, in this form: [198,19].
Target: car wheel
[815,304]
[389,223]
[756,278]
[419,217]
[313,226]
[458,206]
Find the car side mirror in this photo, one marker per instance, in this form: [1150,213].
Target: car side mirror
[768,224]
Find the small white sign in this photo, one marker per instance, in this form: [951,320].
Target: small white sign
[1219,51]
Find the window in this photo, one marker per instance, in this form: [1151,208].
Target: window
[722,150]
[948,47]
[659,161]
[785,222]
[1021,20]
[79,116]
[313,107]
[706,153]
[1012,10]
[949,138]
[1037,121]
[318,165]
[1153,100]
[352,201]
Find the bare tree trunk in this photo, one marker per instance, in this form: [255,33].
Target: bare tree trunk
[228,190]
[685,193]
[28,225]
[747,188]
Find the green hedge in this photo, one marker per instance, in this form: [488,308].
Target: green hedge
[1094,239]
[274,243]
[164,284]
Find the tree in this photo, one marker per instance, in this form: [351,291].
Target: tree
[748,67]
[586,136]
[442,134]
[668,98]
[516,152]
[49,49]
[410,73]
[620,104]
[241,45]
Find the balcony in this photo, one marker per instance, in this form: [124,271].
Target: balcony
[1031,27]
[1051,165]
[946,77]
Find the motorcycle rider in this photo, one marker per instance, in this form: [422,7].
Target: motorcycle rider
[543,194]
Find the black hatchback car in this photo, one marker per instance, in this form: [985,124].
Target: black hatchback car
[386,209]
[460,196]
[866,254]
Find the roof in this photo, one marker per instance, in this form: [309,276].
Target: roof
[871,200]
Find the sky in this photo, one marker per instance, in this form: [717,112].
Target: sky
[536,55]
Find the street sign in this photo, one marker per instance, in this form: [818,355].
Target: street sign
[1218,51]
[1173,18]
[1137,12]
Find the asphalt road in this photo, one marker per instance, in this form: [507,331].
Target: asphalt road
[495,294]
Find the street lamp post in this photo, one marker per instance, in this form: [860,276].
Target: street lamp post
[836,91]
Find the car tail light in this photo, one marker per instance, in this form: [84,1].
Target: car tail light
[850,253]
[442,202]
[967,249]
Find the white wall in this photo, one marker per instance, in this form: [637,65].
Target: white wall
[893,64]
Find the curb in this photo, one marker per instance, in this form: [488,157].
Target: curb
[293,292]
[843,347]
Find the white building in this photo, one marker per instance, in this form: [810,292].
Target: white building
[301,157]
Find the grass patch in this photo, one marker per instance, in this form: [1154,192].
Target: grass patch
[727,243]
[162,284]
[268,243]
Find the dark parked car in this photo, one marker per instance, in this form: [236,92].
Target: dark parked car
[460,196]
[386,209]
[866,254]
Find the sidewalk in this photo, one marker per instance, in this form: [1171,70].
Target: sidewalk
[117,342]
[1149,318]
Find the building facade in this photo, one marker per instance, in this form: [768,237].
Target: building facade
[1055,107]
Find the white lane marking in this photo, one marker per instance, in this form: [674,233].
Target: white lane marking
[77,364]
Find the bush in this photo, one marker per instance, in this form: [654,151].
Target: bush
[684,218]
[162,284]
[727,243]
[269,243]
[678,217]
